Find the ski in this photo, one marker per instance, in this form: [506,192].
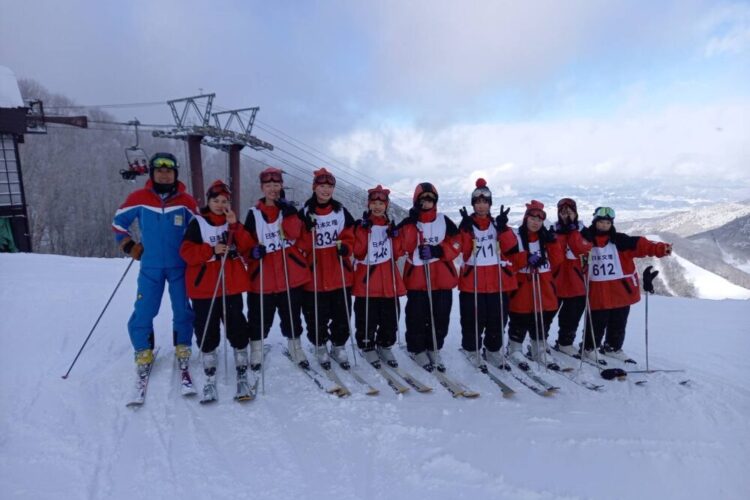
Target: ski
[407,377]
[186,381]
[561,366]
[370,390]
[599,367]
[334,378]
[245,391]
[141,385]
[392,381]
[506,390]
[210,393]
[313,375]
[624,365]
[456,389]
[536,378]
[573,377]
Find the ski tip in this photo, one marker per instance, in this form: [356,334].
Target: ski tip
[508,394]
[373,392]
[470,394]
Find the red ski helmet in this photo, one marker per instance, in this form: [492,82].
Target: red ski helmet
[422,189]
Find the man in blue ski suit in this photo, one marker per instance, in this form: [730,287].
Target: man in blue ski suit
[163,210]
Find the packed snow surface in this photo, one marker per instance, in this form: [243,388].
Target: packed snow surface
[76,439]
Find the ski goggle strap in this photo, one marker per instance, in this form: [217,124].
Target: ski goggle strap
[567,202]
[427,196]
[378,196]
[605,212]
[270,177]
[164,163]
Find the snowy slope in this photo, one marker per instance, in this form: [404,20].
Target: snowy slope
[75,438]
[689,222]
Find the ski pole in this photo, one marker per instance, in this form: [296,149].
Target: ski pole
[346,305]
[99,318]
[224,320]
[315,278]
[286,280]
[367,291]
[396,308]
[475,253]
[500,293]
[262,333]
[538,318]
[211,306]
[648,287]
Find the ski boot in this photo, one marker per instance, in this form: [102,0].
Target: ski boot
[297,353]
[321,353]
[476,360]
[423,360]
[538,352]
[436,360]
[240,365]
[386,354]
[515,353]
[567,349]
[143,360]
[590,355]
[496,359]
[619,354]
[371,356]
[256,355]
[182,353]
[209,369]
[338,354]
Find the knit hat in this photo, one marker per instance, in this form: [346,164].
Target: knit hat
[422,188]
[323,176]
[378,193]
[271,174]
[218,187]
[481,191]
[535,208]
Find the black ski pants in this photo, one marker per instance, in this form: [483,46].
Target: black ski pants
[488,320]
[333,323]
[235,324]
[611,322]
[520,323]
[418,320]
[381,321]
[273,302]
[569,316]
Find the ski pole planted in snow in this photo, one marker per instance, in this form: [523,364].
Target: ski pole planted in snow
[648,286]
[99,318]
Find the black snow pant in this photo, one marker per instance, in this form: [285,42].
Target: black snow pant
[488,320]
[419,323]
[381,321]
[273,302]
[609,321]
[520,323]
[234,324]
[570,312]
[333,323]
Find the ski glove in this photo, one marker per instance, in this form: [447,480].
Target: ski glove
[131,248]
[427,252]
[501,221]
[467,223]
[536,260]
[366,223]
[286,208]
[309,221]
[392,231]
[258,252]
[648,279]
[546,236]
[342,249]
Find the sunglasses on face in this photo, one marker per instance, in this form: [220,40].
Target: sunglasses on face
[164,163]
[325,179]
[605,212]
[224,190]
[427,197]
[270,177]
[566,202]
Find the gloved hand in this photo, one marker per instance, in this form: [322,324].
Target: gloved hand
[309,221]
[392,231]
[258,252]
[365,223]
[501,221]
[536,260]
[131,248]
[467,223]
[427,252]
[220,249]
[648,279]
[342,249]
[546,236]
[285,207]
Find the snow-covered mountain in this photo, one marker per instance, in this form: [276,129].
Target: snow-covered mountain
[75,439]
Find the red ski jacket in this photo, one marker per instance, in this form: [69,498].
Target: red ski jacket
[569,276]
[382,268]
[613,279]
[442,270]
[274,279]
[521,300]
[203,266]
[333,223]
[486,249]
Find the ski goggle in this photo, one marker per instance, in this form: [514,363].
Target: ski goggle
[605,212]
[427,197]
[325,179]
[378,196]
[566,202]
[163,163]
[270,177]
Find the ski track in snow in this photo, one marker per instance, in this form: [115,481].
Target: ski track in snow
[76,439]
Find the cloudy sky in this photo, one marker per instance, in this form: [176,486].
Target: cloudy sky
[523,93]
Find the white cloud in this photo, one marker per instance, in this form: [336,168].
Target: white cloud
[728,29]
[695,142]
